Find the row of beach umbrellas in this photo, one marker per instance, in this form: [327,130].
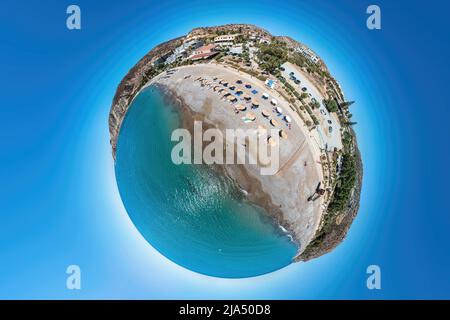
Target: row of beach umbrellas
[250,116]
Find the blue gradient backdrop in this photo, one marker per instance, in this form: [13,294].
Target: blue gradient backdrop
[59,203]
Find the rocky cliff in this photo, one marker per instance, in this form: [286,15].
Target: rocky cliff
[130,85]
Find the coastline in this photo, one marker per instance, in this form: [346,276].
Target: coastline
[299,173]
[342,223]
[247,184]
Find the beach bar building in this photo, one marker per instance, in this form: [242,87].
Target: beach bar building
[204,52]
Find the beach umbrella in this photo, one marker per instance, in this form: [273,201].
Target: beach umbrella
[239,90]
[226,94]
[232,87]
[255,102]
[279,110]
[247,97]
[273,122]
[288,119]
[271,142]
[283,134]
[265,95]
[231,98]
[239,81]
[265,113]
[250,116]
[241,107]
[248,85]
[274,102]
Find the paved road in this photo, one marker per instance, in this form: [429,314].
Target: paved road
[331,139]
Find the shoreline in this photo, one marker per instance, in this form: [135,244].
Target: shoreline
[248,185]
[299,173]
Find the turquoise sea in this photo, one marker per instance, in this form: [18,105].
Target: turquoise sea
[193,216]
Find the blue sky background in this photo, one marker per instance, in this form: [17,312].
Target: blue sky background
[59,202]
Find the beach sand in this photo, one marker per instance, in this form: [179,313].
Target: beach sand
[283,195]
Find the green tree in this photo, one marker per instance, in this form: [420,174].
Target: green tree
[331,105]
[315,105]
[345,183]
[272,55]
[347,104]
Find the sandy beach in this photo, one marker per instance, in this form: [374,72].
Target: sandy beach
[285,194]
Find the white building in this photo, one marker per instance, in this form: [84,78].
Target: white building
[271,83]
[307,52]
[225,40]
[181,51]
[236,50]
[252,52]
[265,40]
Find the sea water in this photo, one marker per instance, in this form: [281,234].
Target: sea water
[191,214]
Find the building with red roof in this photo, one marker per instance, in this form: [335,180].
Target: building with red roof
[204,52]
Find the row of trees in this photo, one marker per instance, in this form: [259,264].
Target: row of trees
[245,54]
[315,104]
[300,97]
[331,105]
[345,184]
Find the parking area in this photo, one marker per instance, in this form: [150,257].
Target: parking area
[328,131]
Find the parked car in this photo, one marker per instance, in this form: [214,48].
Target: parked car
[330,128]
[297,81]
[304,89]
[329,122]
